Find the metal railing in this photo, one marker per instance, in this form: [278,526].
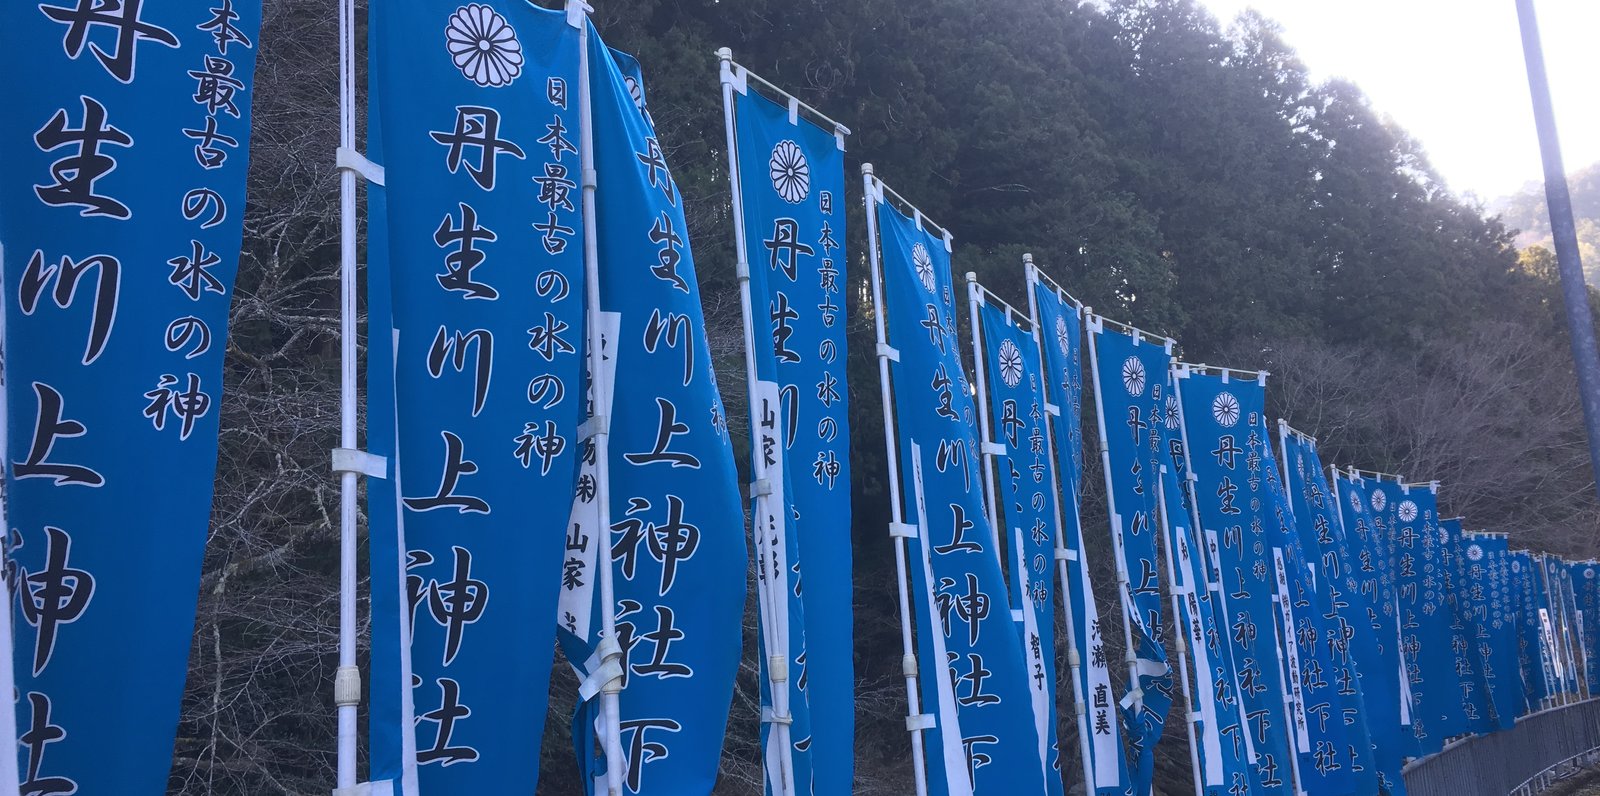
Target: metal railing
[1520,761]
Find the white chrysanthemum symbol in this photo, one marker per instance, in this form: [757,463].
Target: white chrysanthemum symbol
[1010,363]
[483,46]
[1355,502]
[791,175]
[1588,573]
[1516,566]
[1474,552]
[1225,409]
[1407,511]
[1174,414]
[1063,337]
[923,262]
[1133,376]
[1379,500]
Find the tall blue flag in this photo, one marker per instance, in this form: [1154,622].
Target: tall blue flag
[1132,399]
[1425,632]
[1586,594]
[480,322]
[791,179]
[1533,657]
[1332,561]
[1379,656]
[1025,503]
[1061,325]
[122,195]
[676,540]
[1486,575]
[1336,750]
[1229,457]
[1461,597]
[1218,719]
[1562,608]
[974,677]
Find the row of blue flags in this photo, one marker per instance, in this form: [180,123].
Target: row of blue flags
[552,464]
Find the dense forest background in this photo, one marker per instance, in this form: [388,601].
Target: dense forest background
[1525,211]
[1171,171]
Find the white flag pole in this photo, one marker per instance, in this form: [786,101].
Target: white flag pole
[1062,554]
[916,720]
[347,679]
[1289,651]
[1096,326]
[771,579]
[9,779]
[987,447]
[1177,592]
[598,426]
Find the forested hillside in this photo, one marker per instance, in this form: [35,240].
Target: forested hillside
[1171,172]
[1524,212]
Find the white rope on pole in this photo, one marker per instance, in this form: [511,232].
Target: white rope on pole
[598,424]
[915,721]
[347,680]
[771,593]
[1123,587]
[1074,662]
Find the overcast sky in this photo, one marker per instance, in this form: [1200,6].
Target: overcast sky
[1452,73]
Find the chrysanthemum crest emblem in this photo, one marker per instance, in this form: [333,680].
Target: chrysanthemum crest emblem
[1379,500]
[1475,552]
[483,46]
[1133,376]
[1225,409]
[1063,337]
[1010,363]
[1174,413]
[1355,502]
[791,174]
[923,262]
[1407,511]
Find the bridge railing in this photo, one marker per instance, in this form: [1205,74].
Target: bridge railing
[1514,761]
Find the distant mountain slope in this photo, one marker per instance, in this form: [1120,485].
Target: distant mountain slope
[1525,211]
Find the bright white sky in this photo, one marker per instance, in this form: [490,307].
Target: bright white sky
[1452,73]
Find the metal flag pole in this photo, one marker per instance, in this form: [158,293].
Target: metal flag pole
[347,679]
[1574,291]
[771,594]
[598,426]
[1096,325]
[916,720]
[9,778]
[986,444]
[1062,554]
[1176,592]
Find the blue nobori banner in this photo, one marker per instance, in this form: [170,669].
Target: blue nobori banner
[1061,324]
[791,203]
[1461,599]
[1532,654]
[1485,589]
[1417,566]
[1586,593]
[480,323]
[1377,648]
[1131,397]
[676,539]
[974,677]
[1335,754]
[1225,749]
[122,197]
[1336,618]
[1024,500]
[1228,453]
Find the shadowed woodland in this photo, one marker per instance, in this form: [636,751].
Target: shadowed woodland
[1172,171]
